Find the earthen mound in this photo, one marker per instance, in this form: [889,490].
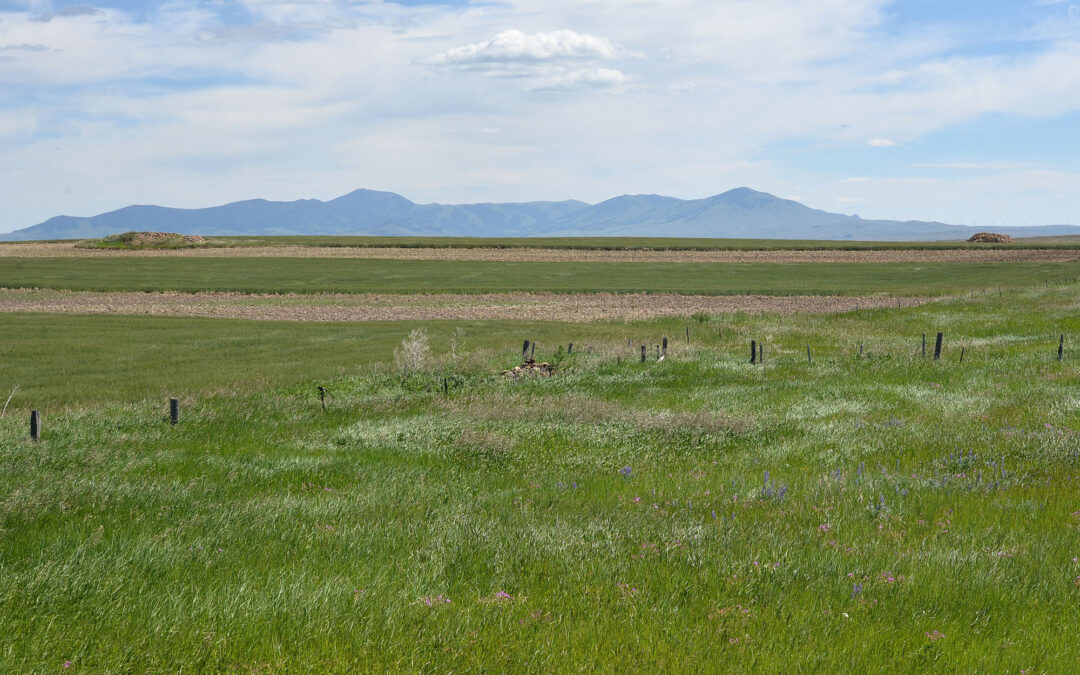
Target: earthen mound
[991,238]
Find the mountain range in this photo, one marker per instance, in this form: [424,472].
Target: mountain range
[740,213]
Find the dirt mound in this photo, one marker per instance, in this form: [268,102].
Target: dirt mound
[991,238]
[148,240]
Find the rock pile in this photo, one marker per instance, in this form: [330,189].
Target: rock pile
[143,238]
[991,238]
[530,367]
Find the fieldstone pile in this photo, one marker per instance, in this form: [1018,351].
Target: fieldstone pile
[141,238]
[529,368]
[991,238]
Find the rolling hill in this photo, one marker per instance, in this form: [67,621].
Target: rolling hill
[739,213]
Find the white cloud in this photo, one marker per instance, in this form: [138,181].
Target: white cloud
[576,79]
[517,46]
[881,143]
[553,61]
[856,179]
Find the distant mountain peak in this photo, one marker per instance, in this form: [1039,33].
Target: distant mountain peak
[741,212]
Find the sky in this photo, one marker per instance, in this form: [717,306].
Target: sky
[964,111]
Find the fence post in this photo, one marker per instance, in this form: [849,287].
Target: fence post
[809,357]
[761,353]
[665,347]
[532,350]
[962,349]
[35,426]
[643,353]
[924,344]
[322,397]
[1061,347]
[937,345]
[174,410]
[753,351]
[525,350]
[570,349]
[688,334]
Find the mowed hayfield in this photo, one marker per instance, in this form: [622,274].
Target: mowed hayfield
[312,275]
[863,507]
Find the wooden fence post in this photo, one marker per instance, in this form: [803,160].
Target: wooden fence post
[665,347]
[35,426]
[532,350]
[937,345]
[924,344]
[753,351]
[962,350]
[1061,347]
[570,349]
[174,411]
[322,397]
[809,357]
[761,353]
[643,353]
[688,334]
[525,350]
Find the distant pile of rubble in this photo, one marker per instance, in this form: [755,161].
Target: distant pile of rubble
[528,368]
[991,238]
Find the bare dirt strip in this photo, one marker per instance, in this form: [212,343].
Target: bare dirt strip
[556,255]
[379,307]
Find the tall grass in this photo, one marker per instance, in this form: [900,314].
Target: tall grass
[882,512]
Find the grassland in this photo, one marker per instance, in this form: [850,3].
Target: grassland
[874,512]
[299,275]
[634,243]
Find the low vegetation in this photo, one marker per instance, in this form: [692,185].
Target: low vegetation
[146,240]
[310,275]
[866,511]
[634,243]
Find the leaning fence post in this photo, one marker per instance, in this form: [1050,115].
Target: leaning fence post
[35,426]
[809,356]
[753,351]
[643,353]
[570,349]
[937,345]
[174,410]
[962,349]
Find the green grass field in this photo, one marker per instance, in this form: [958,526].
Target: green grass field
[308,275]
[860,513]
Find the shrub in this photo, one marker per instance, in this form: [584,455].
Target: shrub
[412,356]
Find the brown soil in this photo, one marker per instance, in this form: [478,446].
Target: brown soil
[558,255]
[378,307]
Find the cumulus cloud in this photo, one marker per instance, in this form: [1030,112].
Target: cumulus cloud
[557,60]
[517,46]
[882,143]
